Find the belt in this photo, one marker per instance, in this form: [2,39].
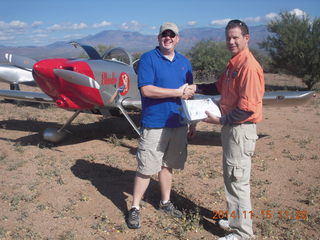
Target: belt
[237,124]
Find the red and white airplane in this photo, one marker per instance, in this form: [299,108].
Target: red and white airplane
[100,84]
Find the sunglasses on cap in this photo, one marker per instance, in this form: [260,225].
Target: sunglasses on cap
[238,23]
[168,33]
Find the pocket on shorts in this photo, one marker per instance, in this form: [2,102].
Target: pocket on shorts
[251,138]
[147,140]
[235,174]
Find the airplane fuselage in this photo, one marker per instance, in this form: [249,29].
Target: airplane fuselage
[85,84]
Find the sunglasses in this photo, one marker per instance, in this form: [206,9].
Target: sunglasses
[238,23]
[168,34]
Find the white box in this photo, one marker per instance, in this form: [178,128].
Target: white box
[194,109]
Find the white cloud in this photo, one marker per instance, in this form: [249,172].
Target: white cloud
[11,30]
[36,23]
[67,26]
[132,25]
[271,16]
[220,21]
[72,36]
[6,37]
[41,35]
[102,24]
[79,26]
[259,19]
[298,12]
[192,23]
[55,27]
[252,19]
[16,24]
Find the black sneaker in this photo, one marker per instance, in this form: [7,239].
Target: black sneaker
[170,209]
[133,221]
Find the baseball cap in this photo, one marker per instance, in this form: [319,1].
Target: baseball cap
[169,26]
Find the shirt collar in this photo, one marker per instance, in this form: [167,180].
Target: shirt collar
[237,58]
[161,55]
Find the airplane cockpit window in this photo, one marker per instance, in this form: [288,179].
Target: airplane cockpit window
[136,65]
[118,54]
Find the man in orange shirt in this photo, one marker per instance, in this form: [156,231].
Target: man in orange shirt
[241,88]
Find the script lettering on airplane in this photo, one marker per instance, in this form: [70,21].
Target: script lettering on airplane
[105,80]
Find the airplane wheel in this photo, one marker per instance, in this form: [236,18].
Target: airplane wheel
[14,86]
[54,135]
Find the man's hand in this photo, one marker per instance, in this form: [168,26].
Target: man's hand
[188,92]
[181,89]
[193,87]
[211,118]
[192,131]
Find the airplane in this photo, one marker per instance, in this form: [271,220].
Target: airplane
[104,84]
[14,75]
[101,84]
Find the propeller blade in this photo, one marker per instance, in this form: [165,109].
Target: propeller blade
[77,78]
[20,61]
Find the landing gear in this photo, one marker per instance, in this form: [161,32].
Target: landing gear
[56,135]
[14,86]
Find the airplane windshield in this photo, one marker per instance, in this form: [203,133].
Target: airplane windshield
[118,54]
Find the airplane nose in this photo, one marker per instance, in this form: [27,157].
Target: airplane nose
[44,75]
[45,67]
[70,83]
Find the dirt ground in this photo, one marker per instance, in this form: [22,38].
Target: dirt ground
[82,187]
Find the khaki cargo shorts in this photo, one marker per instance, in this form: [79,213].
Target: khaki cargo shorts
[161,147]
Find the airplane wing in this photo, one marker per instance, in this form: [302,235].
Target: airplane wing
[287,98]
[276,98]
[19,70]
[269,99]
[11,74]
[26,96]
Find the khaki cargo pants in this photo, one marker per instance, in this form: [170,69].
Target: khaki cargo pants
[238,143]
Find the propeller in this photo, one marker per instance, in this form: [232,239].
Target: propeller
[20,61]
[77,78]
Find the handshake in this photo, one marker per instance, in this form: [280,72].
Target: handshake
[187,91]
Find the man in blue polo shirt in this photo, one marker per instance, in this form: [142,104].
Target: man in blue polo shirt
[162,79]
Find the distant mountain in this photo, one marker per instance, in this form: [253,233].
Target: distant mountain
[131,41]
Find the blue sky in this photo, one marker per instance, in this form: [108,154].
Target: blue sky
[42,22]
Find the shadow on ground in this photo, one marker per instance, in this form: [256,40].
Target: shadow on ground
[116,127]
[113,183]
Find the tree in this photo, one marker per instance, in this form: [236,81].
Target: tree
[208,60]
[294,46]
[263,59]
